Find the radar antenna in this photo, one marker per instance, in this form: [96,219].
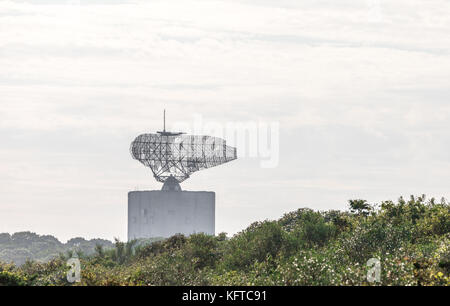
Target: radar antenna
[175,156]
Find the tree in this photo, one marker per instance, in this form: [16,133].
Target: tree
[361,207]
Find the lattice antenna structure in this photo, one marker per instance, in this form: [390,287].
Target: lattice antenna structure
[173,157]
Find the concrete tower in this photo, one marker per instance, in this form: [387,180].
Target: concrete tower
[163,213]
[172,157]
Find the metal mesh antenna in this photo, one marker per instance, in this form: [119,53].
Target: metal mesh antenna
[177,156]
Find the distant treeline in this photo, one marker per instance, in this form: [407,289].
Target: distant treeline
[22,246]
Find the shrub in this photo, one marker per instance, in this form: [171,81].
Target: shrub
[371,237]
[201,249]
[253,244]
[410,238]
[8,278]
[309,228]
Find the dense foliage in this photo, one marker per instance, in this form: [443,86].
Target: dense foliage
[410,238]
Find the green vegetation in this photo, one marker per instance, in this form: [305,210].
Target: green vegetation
[411,238]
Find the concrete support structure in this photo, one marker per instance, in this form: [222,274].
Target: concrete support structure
[160,213]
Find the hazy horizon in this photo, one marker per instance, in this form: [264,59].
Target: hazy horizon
[359,89]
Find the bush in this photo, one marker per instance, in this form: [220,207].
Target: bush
[8,278]
[410,238]
[370,237]
[310,228]
[201,249]
[259,240]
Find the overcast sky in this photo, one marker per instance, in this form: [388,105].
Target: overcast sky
[360,89]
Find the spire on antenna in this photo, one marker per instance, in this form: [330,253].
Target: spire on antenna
[163,132]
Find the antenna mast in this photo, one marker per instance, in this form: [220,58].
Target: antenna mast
[163,132]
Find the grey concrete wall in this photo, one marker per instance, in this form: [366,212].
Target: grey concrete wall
[158,213]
